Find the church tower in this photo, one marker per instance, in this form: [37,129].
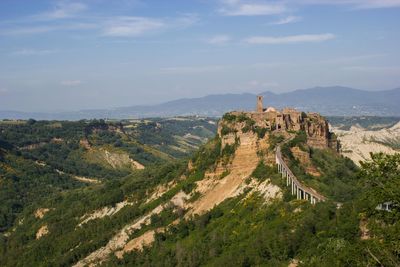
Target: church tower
[259,104]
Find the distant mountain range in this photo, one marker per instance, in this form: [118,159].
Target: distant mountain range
[329,101]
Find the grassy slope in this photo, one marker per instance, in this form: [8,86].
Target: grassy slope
[240,232]
[247,232]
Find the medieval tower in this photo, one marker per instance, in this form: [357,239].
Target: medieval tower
[260,107]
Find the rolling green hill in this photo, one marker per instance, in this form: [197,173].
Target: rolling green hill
[223,203]
[43,158]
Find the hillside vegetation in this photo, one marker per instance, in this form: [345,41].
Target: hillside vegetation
[223,204]
[39,159]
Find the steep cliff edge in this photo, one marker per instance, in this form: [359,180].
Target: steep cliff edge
[238,151]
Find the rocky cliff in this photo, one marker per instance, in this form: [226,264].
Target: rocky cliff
[285,122]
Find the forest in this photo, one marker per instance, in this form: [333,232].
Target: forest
[345,230]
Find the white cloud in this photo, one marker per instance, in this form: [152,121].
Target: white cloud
[124,26]
[350,59]
[359,4]
[62,10]
[31,30]
[136,26]
[287,20]
[263,7]
[238,8]
[33,52]
[71,82]
[132,26]
[378,4]
[185,20]
[304,38]
[27,30]
[219,39]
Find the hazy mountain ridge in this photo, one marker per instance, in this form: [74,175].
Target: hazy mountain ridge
[331,101]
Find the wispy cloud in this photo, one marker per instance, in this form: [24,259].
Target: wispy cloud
[239,8]
[132,26]
[287,20]
[28,30]
[219,39]
[184,20]
[358,4]
[33,52]
[62,10]
[124,26]
[3,90]
[350,59]
[70,16]
[42,29]
[304,38]
[136,26]
[378,4]
[71,82]
[220,68]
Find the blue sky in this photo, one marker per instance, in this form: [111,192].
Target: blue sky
[69,55]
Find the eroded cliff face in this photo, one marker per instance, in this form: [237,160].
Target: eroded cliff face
[248,135]
[244,139]
[317,130]
[240,152]
[290,120]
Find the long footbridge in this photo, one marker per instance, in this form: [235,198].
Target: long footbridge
[301,191]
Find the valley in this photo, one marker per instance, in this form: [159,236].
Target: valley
[170,189]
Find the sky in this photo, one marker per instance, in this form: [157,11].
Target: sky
[58,55]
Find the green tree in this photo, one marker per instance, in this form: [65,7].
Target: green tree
[381,180]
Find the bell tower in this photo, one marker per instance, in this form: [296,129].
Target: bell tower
[260,104]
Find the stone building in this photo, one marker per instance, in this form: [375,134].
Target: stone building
[289,119]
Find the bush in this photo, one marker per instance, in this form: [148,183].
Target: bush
[228,150]
[300,138]
[274,140]
[262,171]
[226,130]
[260,132]
[207,155]
[242,117]
[228,117]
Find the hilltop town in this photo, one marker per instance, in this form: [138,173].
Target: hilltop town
[290,120]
